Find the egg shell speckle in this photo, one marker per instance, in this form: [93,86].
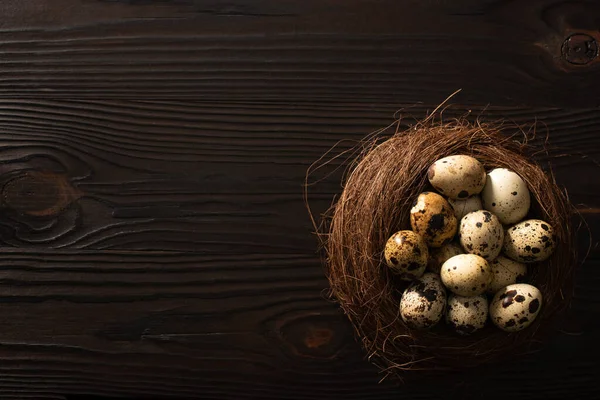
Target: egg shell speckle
[438,256]
[515,307]
[406,254]
[467,275]
[457,176]
[530,241]
[463,207]
[423,302]
[433,218]
[466,314]
[506,272]
[506,195]
[481,233]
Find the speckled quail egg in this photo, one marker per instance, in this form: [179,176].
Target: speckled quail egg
[530,241]
[481,233]
[423,302]
[515,307]
[440,255]
[406,254]
[506,272]
[457,177]
[464,206]
[466,314]
[506,195]
[467,274]
[432,217]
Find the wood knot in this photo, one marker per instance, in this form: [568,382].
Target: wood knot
[314,336]
[579,49]
[317,337]
[39,194]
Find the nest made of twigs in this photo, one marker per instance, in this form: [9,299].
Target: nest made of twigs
[378,191]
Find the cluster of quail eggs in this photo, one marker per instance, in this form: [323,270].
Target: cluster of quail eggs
[470,240]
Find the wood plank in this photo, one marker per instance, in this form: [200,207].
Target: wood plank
[178,324]
[499,52]
[175,324]
[182,176]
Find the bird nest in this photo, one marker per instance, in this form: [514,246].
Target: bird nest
[379,188]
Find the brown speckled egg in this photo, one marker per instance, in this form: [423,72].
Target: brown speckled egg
[463,207]
[440,255]
[422,304]
[406,254]
[530,241]
[466,314]
[457,177]
[467,275]
[515,307]
[433,218]
[506,272]
[481,233]
[506,195]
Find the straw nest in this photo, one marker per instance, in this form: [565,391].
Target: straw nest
[379,188]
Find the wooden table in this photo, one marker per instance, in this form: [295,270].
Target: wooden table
[154,240]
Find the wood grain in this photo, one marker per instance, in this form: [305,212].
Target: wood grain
[166,176]
[179,261]
[154,241]
[227,327]
[499,52]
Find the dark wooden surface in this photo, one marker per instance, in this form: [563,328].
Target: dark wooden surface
[154,241]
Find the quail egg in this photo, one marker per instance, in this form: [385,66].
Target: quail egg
[505,194]
[406,254]
[440,255]
[506,272]
[423,302]
[433,218]
[466,314]
[515,307]
[464,206]
[530,241]
[467,275]
[457,177]
[481,233]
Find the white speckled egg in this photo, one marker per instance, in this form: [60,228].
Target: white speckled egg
[423,302]
[506,195]
[506,272]
[464,206]
[457,177]
[438,256]
[433,218]
[530,241]
[515,307]
[406,254]
[467,275]
[466,314]
[481,233]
